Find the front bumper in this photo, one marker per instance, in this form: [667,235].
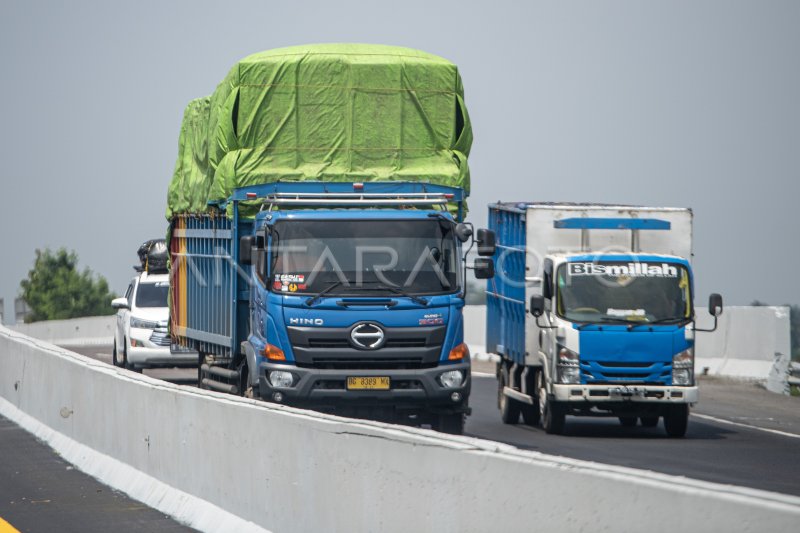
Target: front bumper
[151,357]
[601,394]
[412,390]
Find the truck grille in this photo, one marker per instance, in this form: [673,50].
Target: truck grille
[331,348]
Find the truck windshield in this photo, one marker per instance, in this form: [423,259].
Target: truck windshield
[364,257]
[152,294]
[643,292]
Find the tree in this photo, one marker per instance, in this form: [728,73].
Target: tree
[55,290]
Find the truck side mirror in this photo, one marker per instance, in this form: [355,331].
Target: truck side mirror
[246,249]
[537,305]
[484,268]
[715,305]
[463,232]
[486,242]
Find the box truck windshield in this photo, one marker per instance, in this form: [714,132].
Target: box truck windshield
[365,257]
[623,292]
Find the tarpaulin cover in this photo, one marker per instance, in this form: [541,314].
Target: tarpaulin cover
[332,112]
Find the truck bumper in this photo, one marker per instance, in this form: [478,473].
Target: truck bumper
[410,390]
[606,394]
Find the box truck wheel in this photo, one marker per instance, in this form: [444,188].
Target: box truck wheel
[676,420]
[552,414]
[509,408]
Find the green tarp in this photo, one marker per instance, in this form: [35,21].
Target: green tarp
[336,112]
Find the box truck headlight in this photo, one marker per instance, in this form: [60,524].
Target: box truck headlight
[140,323]
[683,367]
[452,379]
[281,378]
[569,371]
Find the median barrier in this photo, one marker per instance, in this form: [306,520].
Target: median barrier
[224,463]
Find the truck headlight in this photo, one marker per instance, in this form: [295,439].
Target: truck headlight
[683,367]
[281,379]
[452,379]
[568,365]
[140,323]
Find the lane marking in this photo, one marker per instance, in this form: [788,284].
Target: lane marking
[730,422]
[482,374]
[5,527]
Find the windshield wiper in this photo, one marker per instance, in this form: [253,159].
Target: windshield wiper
[669,320]
[630,323]
[311,299]
[401,292]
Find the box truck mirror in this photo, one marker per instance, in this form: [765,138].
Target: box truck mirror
[246,249]
[463,232]
[486,242]
[484,268]
[537,305]
[715,305]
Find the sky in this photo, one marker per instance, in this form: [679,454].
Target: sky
[682,103]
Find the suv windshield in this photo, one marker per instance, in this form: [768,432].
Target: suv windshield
[364,257]
[152,294]
[623,292]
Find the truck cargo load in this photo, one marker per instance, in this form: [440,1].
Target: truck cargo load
[328,112]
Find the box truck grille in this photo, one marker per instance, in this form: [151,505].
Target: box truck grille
[368,364]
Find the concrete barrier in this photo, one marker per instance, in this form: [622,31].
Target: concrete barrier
[223,463]
[750,343]
[87,331]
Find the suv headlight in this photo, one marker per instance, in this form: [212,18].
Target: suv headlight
[683,367]
[143,324]
[568,365]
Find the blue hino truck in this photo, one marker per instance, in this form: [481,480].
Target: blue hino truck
[340,297]
[591,314]
[317,234]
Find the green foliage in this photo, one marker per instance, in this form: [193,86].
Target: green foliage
[55,290]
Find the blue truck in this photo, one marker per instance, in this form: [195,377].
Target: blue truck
[334,296]
[591,314]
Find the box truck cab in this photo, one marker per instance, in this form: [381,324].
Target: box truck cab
[606,293]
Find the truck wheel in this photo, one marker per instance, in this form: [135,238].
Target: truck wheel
[552,415]
[509,408]
[452,424]
[628,421]
[649,421]
[676,420]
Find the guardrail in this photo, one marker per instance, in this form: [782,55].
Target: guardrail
[222,463]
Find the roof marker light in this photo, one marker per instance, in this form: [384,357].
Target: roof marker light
[358,186]
[252,195]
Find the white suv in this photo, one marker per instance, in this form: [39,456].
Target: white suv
[141,339]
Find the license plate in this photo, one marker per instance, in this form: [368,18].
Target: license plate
[368,383]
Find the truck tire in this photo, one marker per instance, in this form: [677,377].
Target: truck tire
[452,423]
[649,421]
[628,421]
[553,417]
[530,414]
[676,420]
[509,407]
[201,358]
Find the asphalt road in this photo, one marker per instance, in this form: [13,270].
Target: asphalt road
[739,434]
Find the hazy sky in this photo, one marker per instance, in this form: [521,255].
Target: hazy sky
[668,103]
